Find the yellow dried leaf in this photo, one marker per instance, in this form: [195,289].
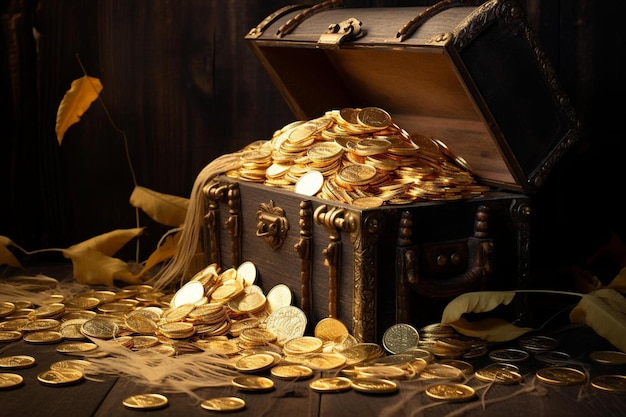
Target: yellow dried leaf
[491,329]
[165,209]
[162,253]
[75,103]
[92,267]
[603,310]
[107,243]
[475,302]
[6,256]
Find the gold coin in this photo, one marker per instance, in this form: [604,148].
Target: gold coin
[6,308]
[13,324]
[331,384]
[537,343]
[560,375]
[611,383]
[286,323]
[310,183]
[329,329]
[501,376]
[190,293]
[508,355]
[9,335]
[448,391]
[466,367]
[374,117]
[223,404]
[253,383]
[291,372]
[356,174]
[374,385]
[100,328]
[368,202]
[9,380]
[141,324]
[17,362]
[60,376]
[145,401]
[279,296]
[43,337]
[321,361]
[385,372]
[76,348]
[79,364]
[302,345]
[608,357]
[254,363]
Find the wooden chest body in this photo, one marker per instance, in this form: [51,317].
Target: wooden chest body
[473,76]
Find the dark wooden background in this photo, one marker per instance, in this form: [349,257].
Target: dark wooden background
[183,86]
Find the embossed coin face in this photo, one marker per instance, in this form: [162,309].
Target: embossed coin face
[43,337]
[400,337]
[9,380]
[60,376]
[287,323]
[608,357]
[291,372]
[146,401]
[501,376]
[253,383]
[100,328]
[254,363]
[6,308]
[538,343]
[374,385]
[331,384]
[330,329]
[611,383]
[450,392]
[16,362]
[508,355]
[10,335]
[560,375]
[223,404]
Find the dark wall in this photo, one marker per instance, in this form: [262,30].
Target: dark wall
[182,87]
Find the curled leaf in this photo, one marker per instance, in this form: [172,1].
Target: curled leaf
[475,302]
[75,103]
[491,329]
[107,243]
[92,267]
[603,310]
[6,256]
[165,209]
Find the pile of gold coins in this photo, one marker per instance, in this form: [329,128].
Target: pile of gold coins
[262,336]
[358,156]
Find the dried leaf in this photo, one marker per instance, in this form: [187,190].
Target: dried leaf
[6,256]
[475,302]
[165,209]
[107,243]
[162,253]
[75,103]
[603,310]
[491,329]
[92,267]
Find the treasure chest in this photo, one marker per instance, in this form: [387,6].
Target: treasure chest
[471,80]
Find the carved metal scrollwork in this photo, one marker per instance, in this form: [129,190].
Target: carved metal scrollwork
[272,224]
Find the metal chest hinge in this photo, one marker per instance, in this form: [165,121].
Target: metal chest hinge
[272,224]
[336,220]
[213,193]
[338,33]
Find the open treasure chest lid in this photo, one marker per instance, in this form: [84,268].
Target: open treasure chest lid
[473,77]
